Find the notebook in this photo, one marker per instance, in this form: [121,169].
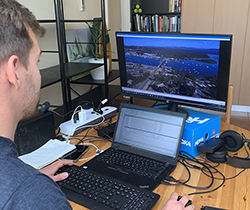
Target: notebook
[142,133]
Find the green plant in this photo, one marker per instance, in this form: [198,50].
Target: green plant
[96,33]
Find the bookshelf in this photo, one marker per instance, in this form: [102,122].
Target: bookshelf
[156,16]
[66,70]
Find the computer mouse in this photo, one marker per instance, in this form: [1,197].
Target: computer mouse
[187,204]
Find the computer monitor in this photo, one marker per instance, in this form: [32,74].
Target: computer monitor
[180,69]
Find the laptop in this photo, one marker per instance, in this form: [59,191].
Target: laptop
[145,146]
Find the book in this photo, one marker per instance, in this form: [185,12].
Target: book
[160,24]
[172,10]
[138,22]
[48,153]
[170,24]
[179,5]
[150,23]
[153,23]
[176,4]
[156,23]
[135,23]
[179,24]
[174,24]
[170,6]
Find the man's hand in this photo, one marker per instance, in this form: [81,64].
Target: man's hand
[173,204]
[52,169]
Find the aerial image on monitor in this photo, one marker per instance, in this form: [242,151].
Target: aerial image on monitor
[174,66]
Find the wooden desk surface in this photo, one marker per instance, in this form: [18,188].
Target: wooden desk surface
[233,195]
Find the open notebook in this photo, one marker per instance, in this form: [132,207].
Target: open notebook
[48,153]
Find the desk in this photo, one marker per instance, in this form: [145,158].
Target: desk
[233,195]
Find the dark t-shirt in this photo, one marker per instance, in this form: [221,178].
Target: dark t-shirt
[23,187]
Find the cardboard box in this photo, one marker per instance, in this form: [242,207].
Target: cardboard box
[199,127]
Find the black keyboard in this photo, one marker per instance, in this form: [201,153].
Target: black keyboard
[96,191]
[137,164]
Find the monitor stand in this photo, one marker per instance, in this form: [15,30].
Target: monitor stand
[173,106]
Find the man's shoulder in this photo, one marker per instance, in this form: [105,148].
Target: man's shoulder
[38,192]
[21,185]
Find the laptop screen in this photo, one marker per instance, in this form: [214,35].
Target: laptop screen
[150,129]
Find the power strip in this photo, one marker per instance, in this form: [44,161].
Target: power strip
[72,128]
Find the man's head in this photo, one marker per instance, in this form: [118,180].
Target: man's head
[19,54]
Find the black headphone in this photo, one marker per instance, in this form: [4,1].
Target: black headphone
[233,141]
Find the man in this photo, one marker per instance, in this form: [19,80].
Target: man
[23,187]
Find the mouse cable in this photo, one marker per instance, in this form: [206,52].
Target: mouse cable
[196,193]
[183,158]
[202,169]
[169,178]
[218,164]
[226,178]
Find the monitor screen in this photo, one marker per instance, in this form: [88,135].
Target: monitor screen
[187,69]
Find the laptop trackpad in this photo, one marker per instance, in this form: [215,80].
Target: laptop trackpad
[112,172]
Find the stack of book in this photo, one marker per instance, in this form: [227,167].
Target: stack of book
[157,23]
[175,5]
[169,22]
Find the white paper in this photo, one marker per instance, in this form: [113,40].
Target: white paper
[48,153]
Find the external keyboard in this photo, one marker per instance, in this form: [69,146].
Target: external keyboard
[96,191]
[139,165]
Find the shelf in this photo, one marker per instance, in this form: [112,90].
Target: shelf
[165,13]
[114,74]
[81,21]
[65,70]
[47,21]
[52,74]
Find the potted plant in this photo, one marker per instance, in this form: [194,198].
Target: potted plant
[97,53]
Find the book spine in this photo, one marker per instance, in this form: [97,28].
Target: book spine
[170,24]
[174,24]
[144,24]
[141,22]
[156,23]
[176,4]
[180,2]
[147,24]
[150,23]
[138,22]
[135,23]
[163,23]
[153,23]
[160,24]
[172,10]
[179,24]
[166,23]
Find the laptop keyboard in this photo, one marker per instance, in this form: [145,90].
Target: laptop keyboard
[96,191]
[137,164]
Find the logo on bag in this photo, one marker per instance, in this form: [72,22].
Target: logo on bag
[197,119]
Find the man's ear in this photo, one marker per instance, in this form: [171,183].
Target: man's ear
[13,68]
